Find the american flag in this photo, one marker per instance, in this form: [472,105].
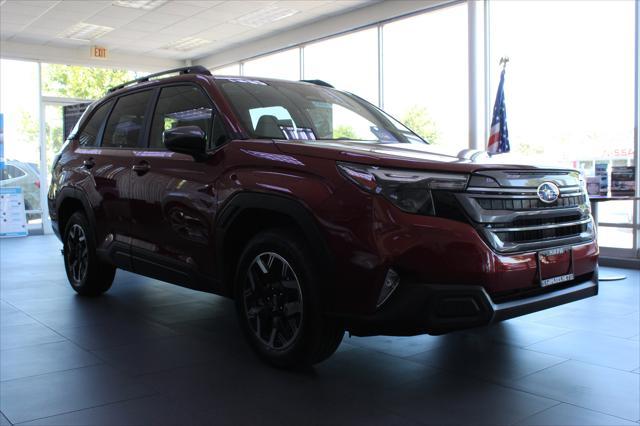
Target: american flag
[499,138]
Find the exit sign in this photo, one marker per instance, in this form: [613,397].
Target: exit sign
[98,52]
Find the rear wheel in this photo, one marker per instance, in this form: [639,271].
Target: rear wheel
[278,304]
[87,275]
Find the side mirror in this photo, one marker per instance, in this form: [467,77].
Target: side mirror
[190,140]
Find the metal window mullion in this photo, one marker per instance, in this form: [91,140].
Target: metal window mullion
[380,67]
[487,70]
[42,136]
[301,62]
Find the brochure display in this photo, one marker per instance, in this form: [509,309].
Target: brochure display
[13,219]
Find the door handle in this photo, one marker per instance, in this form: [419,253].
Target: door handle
[141,168]
[88,163]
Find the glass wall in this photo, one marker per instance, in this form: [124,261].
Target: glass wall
[233,69]
[348,62]
[570,90]
[19,104]
[285,65]
[426,75]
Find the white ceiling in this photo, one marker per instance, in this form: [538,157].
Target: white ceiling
[142,32]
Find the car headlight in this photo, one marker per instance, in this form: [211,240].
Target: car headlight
[409,190]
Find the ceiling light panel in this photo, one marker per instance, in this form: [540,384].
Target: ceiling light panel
[140,4]
[264,16]
[186,44]
[85,32]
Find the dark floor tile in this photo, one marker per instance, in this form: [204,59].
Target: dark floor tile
[361,368]
[85,315]
[26,335]
[602,389]
[593,348]
[447,399]
[188,311]
[15,317]
[46,358]
[140,411]
[570,415]
[4,421]
[107,335]
[518,332]
[475,356]
[604,324]
[56,393]
[398,346]
[158,354]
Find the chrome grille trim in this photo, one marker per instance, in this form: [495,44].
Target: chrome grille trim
[537,227]
[527,224]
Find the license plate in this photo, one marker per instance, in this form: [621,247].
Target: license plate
[555,266]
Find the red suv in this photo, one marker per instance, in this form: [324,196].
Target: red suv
[316,211]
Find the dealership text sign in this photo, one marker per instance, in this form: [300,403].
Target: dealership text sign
[98,52]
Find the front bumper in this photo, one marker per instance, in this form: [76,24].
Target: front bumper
[438,309]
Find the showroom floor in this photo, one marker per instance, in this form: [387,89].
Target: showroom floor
[148,352]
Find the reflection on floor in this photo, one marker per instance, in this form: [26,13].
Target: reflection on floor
[149,352]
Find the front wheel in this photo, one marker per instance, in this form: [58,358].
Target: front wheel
[278,305]
[87,275]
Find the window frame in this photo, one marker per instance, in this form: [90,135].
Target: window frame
[145,127]
[214,109]
[85,123]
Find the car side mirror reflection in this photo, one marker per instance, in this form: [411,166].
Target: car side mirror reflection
[190,140]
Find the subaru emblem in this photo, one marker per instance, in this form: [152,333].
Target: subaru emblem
[548,192]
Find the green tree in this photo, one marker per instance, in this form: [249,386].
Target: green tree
[344,131]
[417,118]
[29,132]
[81,82]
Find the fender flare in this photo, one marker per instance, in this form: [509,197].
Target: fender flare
[70,192]
[299,213]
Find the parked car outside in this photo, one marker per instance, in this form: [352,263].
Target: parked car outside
[22,175]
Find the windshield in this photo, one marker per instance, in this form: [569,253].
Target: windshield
[288,110]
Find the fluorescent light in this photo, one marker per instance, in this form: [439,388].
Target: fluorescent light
[264,16]
[187,43]
[140,4]
[85,32]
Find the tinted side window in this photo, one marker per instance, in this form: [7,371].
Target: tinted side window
[126,122]
[89,135]
[181,106]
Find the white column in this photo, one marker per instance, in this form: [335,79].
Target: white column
[44,178]
[636,125]
[475,30]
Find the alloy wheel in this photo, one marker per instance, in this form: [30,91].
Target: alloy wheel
[272,299]
[77,253]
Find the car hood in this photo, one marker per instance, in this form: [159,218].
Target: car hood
[428,157]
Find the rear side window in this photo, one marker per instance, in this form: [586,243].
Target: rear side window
[125,126]
[181,106]
[89,135]
[11,172]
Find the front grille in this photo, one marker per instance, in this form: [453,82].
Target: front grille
[511,217]
[541,234]
[529,203]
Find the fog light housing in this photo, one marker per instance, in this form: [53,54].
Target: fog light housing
[391,281]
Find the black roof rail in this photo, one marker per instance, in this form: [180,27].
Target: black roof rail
[318,83]
[194,69]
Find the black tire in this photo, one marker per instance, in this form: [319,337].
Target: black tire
[87,275]
[317,337]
